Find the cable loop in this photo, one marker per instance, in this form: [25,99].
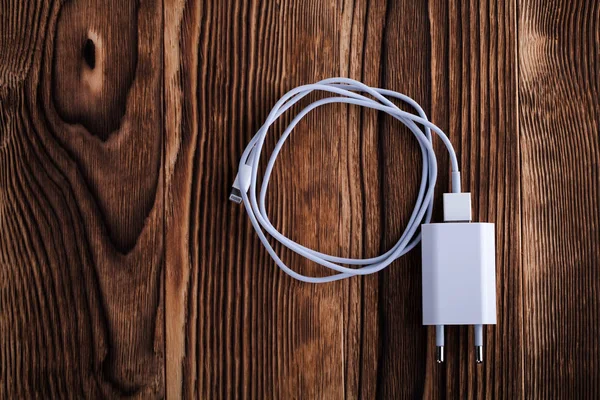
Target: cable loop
[344,91]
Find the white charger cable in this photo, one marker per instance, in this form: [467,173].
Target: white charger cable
[436,313]
[346,91]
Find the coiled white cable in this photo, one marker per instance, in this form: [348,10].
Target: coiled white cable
[346,91]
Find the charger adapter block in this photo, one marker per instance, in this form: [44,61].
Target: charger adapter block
[459,274]
[459,278]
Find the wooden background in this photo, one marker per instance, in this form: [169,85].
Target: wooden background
[124,270]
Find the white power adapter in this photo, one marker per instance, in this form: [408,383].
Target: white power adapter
[459,277]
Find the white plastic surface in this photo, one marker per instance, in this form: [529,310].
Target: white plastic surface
[457,207]
[242,180]
[459,274]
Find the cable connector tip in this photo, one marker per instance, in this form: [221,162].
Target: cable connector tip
[241,183]
[235,195]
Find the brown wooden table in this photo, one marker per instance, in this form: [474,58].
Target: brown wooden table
[125,271]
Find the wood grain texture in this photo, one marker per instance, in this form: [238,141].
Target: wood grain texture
[126,272]
[237,326]
[81,200]
[242,329]
[559,113]
[471,89]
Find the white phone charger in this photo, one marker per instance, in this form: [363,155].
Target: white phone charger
[459,274]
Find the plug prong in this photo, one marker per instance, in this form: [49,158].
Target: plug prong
[439,343]
[439,354]
[479,343]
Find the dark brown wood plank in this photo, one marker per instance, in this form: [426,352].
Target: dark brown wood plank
[458,60]
[559,114]
[241,328]
[236,325]
[81,199]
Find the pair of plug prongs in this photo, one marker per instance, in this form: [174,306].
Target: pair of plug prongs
[439,343]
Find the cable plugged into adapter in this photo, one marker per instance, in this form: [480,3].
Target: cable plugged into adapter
[459,277]
[458,256]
